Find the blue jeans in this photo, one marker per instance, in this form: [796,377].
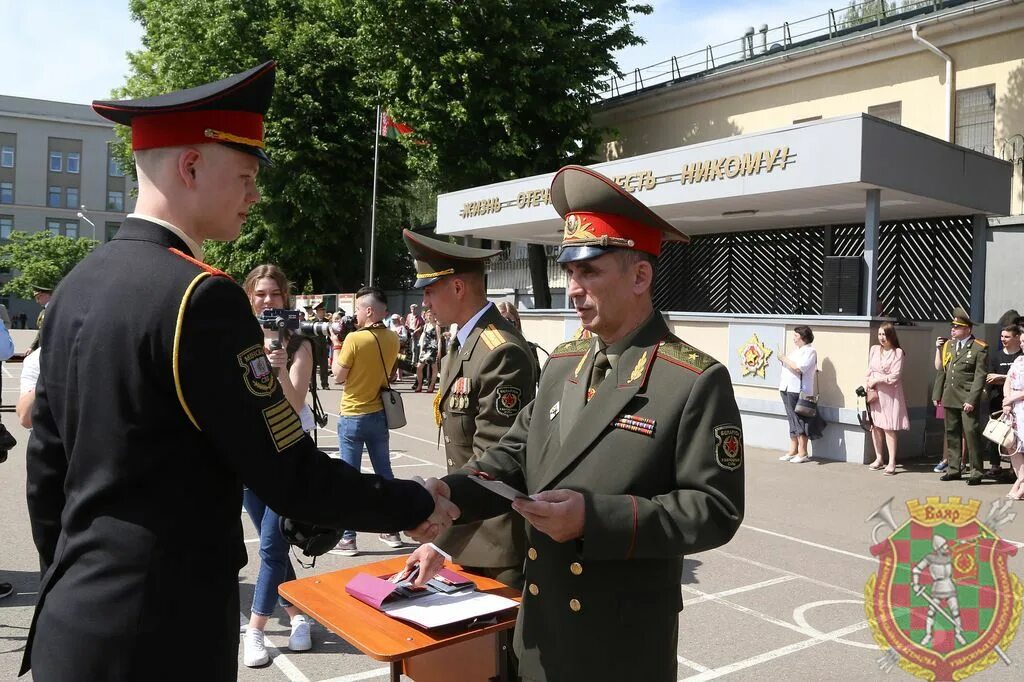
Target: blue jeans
[275,566]
[370,430]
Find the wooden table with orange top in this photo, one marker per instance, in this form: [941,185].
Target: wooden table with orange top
[454,653]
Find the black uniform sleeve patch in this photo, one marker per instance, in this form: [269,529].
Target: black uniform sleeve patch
[729,446]
[284,424]
[257,374]
[510,401]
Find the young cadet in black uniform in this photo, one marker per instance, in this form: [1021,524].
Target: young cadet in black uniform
[632,452]
[146,425]
[487,377]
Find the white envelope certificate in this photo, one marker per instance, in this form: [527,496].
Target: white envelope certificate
[500,488]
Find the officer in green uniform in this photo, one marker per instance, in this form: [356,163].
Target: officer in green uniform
[958,386]
[41,294]
[486,379]
[632,453]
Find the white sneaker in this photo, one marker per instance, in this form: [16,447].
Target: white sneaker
[800,459]
[786,458]
[300,639]
[254,652]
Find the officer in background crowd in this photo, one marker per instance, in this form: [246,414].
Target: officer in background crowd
[41,293]
[958,386]
[632,453]
[487,378]
[147,425]
[320,347]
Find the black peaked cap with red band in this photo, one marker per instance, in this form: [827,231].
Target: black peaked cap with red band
[600,216]
[228,111]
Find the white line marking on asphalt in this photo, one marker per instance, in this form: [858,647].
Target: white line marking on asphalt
[743,609]
[774,654]
[811,544]
[799,616]
[368,675]
[738,590]
[692,664]
[822,583]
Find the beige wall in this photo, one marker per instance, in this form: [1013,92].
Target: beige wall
[917,80]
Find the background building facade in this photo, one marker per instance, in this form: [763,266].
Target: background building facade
[57,173]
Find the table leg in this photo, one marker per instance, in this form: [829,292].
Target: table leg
[396,671]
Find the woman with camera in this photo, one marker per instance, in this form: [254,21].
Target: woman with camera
[885,398]
[430,343]
[1013,404]
[292,362]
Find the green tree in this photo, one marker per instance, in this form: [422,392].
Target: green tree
[40,259]
[493,89]
[866,11]
[313,219]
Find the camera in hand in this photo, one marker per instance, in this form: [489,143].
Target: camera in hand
[860,391]
[280,319]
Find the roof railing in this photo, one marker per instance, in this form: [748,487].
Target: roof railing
[820,27]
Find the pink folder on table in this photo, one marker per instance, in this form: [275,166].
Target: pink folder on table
[370,589]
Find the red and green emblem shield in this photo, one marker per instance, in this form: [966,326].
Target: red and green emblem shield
[968,633]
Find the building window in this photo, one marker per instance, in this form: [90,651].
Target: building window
[115,201]
[111,230]
[6,157]
[53,198]
[71,229]
[73,160]
[56,162]
[72,197]
[6,226]
[6,192]
[53,227]
[113,166]
[891,112]
[976,118]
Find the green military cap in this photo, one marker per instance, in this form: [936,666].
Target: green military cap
[435,259]
[41,289]
[601,216]
[961,318]
[319,305]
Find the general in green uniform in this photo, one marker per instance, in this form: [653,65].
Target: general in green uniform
[958,386]
[632,453]
[486,378]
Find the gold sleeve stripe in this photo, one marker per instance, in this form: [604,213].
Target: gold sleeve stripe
[176,362]
[284,424]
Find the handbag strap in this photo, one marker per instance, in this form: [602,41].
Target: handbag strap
[383,365]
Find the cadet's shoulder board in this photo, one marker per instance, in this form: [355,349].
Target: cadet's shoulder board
[200,264]
[685,355]
[574,347]
[492,337]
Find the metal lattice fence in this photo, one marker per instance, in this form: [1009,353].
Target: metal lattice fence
[924,269]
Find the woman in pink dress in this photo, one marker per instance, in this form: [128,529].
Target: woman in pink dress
[1013,403]
[889,409]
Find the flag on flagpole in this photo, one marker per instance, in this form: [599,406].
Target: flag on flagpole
[392,129]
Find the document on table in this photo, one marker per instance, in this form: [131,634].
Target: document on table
[439,609]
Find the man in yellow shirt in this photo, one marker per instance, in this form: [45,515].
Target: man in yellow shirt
[363,365]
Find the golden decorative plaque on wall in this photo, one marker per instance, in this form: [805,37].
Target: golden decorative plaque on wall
[754,357]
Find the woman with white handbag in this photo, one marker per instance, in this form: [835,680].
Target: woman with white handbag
[1013,405]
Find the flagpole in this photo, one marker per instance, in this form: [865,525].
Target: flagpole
[373,205]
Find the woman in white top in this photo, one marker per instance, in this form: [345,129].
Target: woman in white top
[1013,403]
[798,370]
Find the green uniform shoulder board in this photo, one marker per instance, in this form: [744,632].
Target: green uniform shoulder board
[685,355]
[574,347]
[981,343]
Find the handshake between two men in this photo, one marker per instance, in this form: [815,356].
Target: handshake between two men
[559,514]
